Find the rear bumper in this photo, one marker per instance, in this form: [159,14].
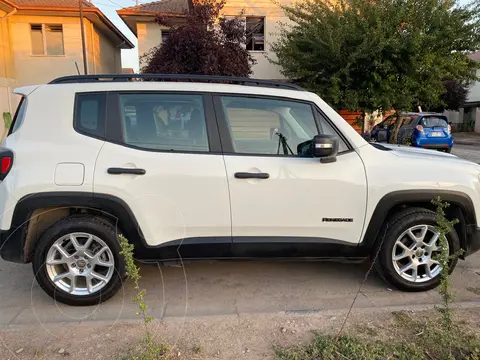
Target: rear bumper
[473,240]
[434,143]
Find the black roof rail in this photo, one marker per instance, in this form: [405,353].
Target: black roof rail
[173,77]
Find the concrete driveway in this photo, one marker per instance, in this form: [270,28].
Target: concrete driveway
[217,288]
[468,152]
[467,146]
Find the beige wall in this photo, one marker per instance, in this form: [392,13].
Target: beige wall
[103,56]
[7,70]
[149,33]
[273,15]
[474,91]
[109,56]
[18,67]
[31,69]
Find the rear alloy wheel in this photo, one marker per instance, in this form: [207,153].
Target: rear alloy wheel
[80,263]
[77,261]
[410,246]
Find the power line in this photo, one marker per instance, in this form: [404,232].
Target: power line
[109,5]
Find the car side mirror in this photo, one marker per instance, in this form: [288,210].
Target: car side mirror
[325,147]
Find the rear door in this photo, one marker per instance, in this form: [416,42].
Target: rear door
[163,158]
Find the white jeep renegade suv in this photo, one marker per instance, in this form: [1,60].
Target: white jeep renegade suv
[195,169]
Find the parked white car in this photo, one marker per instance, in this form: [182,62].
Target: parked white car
[195,169]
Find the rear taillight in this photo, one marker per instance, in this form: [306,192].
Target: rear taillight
[420,128]
[449,130]
[6,162]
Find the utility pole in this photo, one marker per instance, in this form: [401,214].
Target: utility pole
[84,50]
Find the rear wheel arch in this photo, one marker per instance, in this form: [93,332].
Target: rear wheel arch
[58,205]
[391,204]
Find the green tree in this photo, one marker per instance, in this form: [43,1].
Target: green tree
[385,54]
[453,98]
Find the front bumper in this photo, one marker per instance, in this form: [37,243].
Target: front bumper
[473,240]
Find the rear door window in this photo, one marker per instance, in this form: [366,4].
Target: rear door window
[164,122]
[430,122]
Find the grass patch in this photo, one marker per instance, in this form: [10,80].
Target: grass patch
[415,338]
[148,351]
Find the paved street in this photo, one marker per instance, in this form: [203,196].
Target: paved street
[468,152]
[227,288]
[217,288]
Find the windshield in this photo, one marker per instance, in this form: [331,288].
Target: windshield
[431,122]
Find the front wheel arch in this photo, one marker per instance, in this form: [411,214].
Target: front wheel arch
[461,208]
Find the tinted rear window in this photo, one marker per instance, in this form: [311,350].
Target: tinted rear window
[90,114]
[431,122]
[19,116]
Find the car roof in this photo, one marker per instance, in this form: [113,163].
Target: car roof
[193,87]
[172,82]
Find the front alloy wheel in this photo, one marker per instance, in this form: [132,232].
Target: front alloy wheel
[414,254]
[410,245]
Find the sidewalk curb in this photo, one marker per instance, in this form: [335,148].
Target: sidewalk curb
[288,313]
[466,142]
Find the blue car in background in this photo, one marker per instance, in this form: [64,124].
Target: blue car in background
[424,130]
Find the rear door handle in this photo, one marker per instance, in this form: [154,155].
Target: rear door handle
[247,175]
[118,171]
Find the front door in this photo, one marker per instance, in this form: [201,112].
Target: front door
[162,157]
[283,203]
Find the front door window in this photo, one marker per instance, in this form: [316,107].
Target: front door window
[270,126]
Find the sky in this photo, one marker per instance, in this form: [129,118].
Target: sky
[109,7]
[130,57]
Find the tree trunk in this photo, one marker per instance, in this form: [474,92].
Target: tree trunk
[398,125]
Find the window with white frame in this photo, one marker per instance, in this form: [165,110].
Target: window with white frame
[255,33]
[47,39]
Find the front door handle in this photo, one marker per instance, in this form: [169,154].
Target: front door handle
[118,171]
[247,175]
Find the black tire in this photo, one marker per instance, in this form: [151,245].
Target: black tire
[448,150]
[391,231]
[71,224]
